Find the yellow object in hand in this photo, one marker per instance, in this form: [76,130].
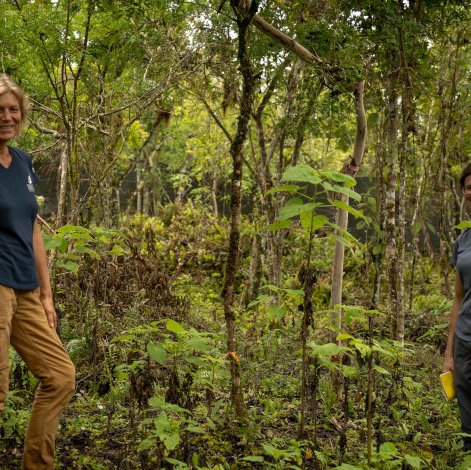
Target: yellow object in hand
[448,385]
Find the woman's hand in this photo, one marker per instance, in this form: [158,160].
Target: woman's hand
[448,364]
[51,314]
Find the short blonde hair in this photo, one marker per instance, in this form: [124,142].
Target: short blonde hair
[8,85]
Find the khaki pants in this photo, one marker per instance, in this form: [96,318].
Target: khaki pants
[23,324]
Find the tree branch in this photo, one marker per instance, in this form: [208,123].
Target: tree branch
[271,87]
[353,167]
[216,119]
[43,130]
[288,42]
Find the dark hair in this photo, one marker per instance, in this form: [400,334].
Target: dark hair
[465,173]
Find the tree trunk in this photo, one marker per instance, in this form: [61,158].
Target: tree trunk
[401,237]
[62,201]
[407,108]
[236,151]
[391,170]
[214,192]
[139,186]
[415,226]
[342,215]
[255,270]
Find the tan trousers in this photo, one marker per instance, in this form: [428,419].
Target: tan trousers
[23,324]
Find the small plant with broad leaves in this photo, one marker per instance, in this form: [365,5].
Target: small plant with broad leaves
[312,194]
[73,243]
[190,359]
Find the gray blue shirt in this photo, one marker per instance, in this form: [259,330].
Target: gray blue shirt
[18,212]
[461,259]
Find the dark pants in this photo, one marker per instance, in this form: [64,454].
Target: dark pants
[462,363]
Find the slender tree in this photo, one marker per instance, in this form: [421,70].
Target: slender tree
[244,20]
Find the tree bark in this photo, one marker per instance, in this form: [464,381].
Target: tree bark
[342,215]
[401,236]
[255,270]
[62,199]
[236,151]
[391,170]
[414,223]
[407,108]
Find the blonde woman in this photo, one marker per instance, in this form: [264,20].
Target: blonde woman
[27,315]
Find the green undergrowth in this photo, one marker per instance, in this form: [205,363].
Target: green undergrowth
[153,384]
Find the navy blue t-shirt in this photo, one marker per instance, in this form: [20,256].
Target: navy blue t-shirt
[18,212]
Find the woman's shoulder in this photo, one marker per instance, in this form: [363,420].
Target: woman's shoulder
[465,236]
[23,158]
[20,153]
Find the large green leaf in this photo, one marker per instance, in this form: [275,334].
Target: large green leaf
[380,370]
[56,242]
[346,207]
[413,460]
[291,188]
[361,347]
[69,266]
[292,210]
[388,448]
[327,349]
[174,327]
[377,249]
[349,371]
[327,186]
[309,221]
[171,441]
[276,313]
[79,236]
[347,191]
[463,224]
[86,250]
[301,173]
[157,353]
[196,429]
[197,342]
[340,177]
[117,250]
[271,287]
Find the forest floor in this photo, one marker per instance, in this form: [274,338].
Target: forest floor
[153,383]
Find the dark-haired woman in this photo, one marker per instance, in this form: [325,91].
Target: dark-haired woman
[458,349]
[27,315]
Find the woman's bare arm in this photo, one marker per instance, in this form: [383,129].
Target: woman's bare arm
[42,273]
[459,293]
